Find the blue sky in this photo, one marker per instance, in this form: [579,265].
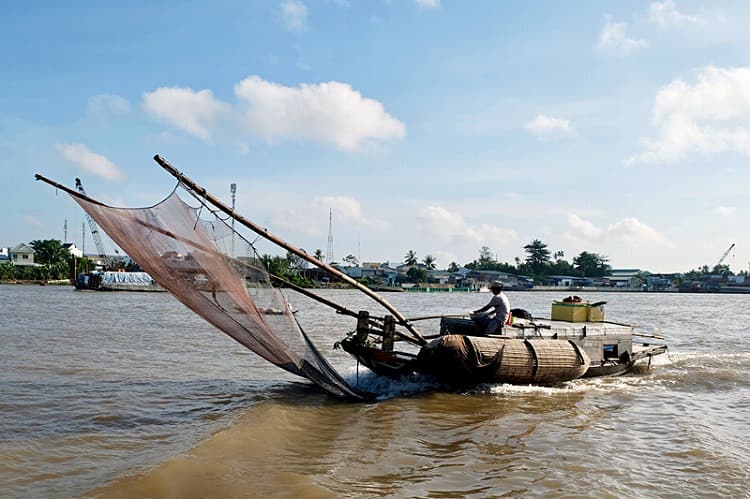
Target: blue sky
[621,128]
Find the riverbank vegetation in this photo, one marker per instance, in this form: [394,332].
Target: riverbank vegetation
[54,262]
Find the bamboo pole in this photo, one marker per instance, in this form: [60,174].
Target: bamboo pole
[447,316]
[67,189]
[292,249]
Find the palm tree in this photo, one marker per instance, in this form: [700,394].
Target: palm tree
[319,254]
[410,258]
[49,251]
[429,262]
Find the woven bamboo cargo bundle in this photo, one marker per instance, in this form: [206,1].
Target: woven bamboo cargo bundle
[468,359]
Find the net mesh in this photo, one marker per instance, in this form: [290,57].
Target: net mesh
[183,253]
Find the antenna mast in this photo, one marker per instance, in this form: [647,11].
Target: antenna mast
[329,251]
[233,189]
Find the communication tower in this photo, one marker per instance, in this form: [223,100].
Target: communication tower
[329,251]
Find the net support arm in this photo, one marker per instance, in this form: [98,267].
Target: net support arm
[263,232]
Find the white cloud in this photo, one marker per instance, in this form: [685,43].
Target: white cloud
[330,112]
[188,110]
[105,105]
[665,14]
[633,232]
[545,126]
[583,229]
[629,231]
[429,4]
[81,156]
[294,16]
[348,210]
[450,227]
[712,116]
[725,211]
[613,39]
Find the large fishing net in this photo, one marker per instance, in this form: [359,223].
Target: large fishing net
[184,249]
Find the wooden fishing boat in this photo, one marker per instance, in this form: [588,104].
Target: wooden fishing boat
[530,351]
[180,250]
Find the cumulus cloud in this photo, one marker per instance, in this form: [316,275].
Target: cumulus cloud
[81,156]
[294,16]
[629,231]
[330,112]
[450,227]
[613,38]
[725,211]
[105,105]
[632,231]
[710,116]
[429,4]
[347,209]
[583,229]
[546,126]
[184,108]
[665,14]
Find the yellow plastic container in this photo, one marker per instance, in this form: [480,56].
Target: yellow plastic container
[596,314]
[571,312]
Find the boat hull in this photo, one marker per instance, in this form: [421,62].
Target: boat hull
[529,352]
[471,359]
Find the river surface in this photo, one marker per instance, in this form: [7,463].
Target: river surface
[131,395]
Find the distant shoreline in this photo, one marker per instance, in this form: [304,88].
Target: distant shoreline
[54,282]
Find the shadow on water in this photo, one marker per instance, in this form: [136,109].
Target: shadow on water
[306,443]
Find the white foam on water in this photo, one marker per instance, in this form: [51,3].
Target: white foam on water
[386,388]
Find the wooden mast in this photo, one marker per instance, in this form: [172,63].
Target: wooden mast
[292,249]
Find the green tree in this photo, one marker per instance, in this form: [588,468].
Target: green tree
[410,258]
[415,274]
[294,263]
[286,268]
[563,267]
[6,270]
[351,260]
[429,262]
[319,254]
[722,270]
[274,264]
[486,259]
[592,264]
[453,267]
[49,251]
[537,257]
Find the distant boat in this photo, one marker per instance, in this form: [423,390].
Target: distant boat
[116,281]
[387,289]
